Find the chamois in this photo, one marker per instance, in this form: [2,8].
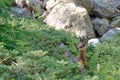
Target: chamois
[82,48]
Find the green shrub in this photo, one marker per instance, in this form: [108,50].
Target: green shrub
[29,50]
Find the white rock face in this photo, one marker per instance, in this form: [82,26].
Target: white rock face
[94,42]
[50,4]
[71,18]
[110,34]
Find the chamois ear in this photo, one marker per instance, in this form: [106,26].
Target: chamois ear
[82,38]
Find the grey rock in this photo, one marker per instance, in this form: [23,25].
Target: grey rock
[115,15]
[115,3]
[88,4]
[61,45]
[100,25]
[34,5]
[104,9]
[116,22]
[20,12]
[110,34]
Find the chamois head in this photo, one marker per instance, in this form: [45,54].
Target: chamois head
[83,42]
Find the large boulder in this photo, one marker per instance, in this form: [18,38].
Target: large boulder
[104,9]
[88,4]
[100,25]
[71,18]
[110,34]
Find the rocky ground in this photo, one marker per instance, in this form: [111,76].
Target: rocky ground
[91,18]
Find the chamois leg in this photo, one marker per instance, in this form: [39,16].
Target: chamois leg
[83,58]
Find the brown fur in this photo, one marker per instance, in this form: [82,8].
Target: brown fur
[82,48]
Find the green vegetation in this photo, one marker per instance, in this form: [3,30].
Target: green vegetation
[29,50]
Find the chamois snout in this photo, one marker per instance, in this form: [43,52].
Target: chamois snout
[81,45]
